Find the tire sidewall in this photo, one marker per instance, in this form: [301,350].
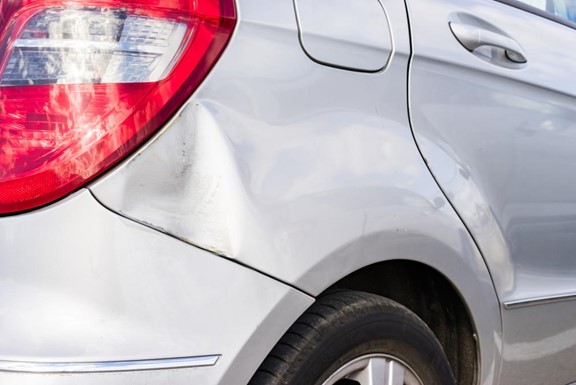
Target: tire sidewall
[374,330]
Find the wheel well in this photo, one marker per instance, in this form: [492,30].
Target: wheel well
[434,299]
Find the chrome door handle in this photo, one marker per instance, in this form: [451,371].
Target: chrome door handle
[472,38]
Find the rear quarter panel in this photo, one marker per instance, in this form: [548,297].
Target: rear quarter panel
[305,172]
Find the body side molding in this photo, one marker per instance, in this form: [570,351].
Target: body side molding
[108,366]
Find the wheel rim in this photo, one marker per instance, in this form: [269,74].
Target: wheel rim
[375,369]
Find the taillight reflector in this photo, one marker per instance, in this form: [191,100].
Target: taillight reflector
[83,84]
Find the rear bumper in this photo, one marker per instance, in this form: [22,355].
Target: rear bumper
[89,297]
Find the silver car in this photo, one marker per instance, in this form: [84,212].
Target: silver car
[288,192]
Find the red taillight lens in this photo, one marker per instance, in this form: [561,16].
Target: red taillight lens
[82,84]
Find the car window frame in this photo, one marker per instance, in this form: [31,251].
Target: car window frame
[528,8]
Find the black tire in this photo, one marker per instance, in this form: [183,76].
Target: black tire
[345,325]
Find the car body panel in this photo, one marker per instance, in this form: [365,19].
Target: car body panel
[330,136]
[140,295]
[500,141]
[304,172]
[352,35]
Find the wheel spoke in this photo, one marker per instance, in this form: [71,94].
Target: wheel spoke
[375,370]
[380,371]
[395,373]
[374,373]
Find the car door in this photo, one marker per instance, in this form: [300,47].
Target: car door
[493,107]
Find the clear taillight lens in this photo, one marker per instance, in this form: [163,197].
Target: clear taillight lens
[83,84]
[93,45]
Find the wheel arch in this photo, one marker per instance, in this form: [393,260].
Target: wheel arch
[430,295]
[448,254]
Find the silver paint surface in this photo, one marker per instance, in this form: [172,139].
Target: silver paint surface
[500,139]
[93,286]
[303,171]
[306,173]
[349,34]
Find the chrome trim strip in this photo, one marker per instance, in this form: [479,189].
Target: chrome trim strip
[539,300]
[107,366]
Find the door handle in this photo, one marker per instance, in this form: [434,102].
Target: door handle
[472,38]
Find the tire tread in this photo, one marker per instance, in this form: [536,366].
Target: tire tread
[307,331]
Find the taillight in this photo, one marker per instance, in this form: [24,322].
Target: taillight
[83,83]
